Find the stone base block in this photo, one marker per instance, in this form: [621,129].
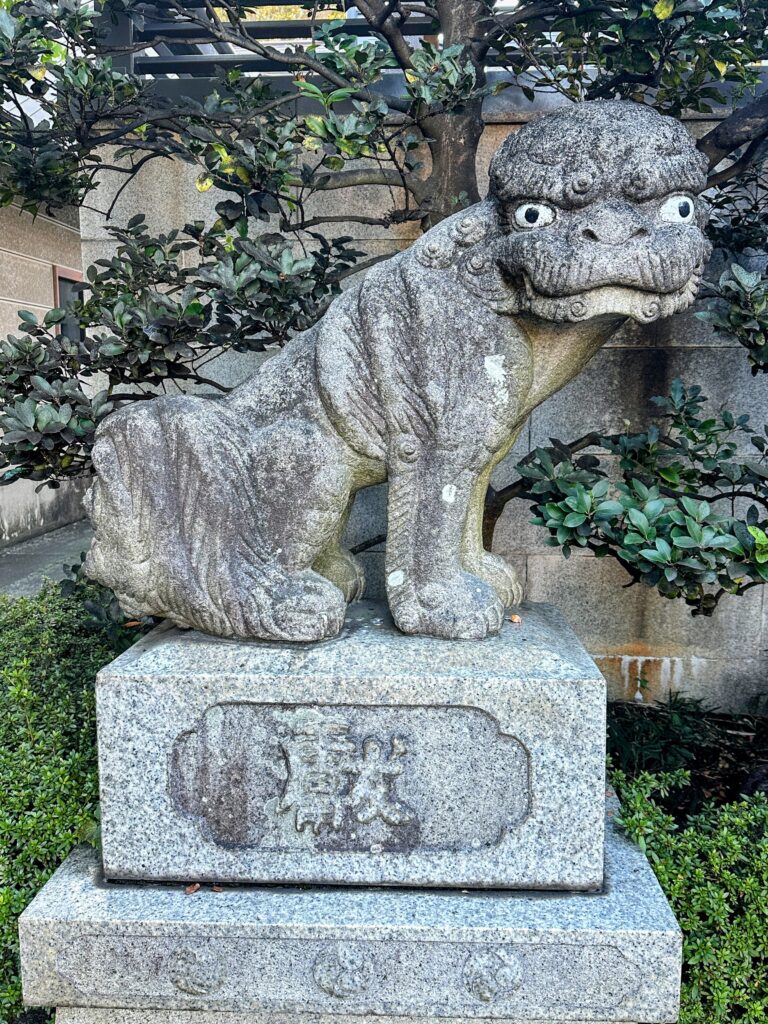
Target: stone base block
[112,1016]
[374,758]
[250,954]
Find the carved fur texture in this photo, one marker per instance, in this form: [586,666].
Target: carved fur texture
[227,514]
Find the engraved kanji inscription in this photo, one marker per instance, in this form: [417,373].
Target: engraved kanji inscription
[319,778]
[329,772]
[371,795]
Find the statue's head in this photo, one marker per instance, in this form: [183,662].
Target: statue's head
[600,210]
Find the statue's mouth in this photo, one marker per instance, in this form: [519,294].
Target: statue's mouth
[651,276]
[613,298]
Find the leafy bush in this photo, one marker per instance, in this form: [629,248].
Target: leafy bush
[742,312]
[661,521]
[661,737]
[50,651]
[714,871]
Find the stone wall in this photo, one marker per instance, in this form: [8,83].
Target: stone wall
[633,633]
[30,249]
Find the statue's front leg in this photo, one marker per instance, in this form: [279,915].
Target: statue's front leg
[429,591]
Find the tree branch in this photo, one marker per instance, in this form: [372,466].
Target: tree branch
[738,167]
[503,23]
[495,501]
[358,268]
[313,222]
[389,176]
[746,125]
[367,544]
[379,17]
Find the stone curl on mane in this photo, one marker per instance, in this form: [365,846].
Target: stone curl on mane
[572,156]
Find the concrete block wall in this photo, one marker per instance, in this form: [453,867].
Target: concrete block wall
[633,633]
[29,250]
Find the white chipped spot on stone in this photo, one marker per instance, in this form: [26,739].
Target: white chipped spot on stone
[396,578]
[494,367]
[449,494]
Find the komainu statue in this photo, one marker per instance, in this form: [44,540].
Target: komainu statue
[228,514]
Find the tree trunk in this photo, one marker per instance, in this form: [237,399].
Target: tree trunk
[453,142]
[454,137]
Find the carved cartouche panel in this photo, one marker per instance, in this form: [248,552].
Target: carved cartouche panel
[346,778]
[228,514]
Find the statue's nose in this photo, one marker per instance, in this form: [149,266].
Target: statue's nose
[612,223]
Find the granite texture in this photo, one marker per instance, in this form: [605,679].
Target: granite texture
[609,956]
[81,1015]
[228,514]
[373,758]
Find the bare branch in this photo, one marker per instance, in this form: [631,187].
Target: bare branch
[501,24]
[135,168]
[358,268]
[366,545]
[738,167]
[424,9]
[313,222]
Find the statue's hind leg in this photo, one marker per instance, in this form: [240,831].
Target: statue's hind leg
[215,523]
[303,484]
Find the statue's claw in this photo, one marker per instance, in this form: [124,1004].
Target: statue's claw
[460,607]
[502,577]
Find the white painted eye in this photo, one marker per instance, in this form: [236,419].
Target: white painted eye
[677,210]
[534,215]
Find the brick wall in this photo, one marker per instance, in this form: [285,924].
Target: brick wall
[30,249]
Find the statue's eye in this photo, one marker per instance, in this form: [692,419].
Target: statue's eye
[534,215]
[677,210]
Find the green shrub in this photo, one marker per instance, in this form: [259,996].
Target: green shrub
[659,737]
[714,871]
[50,652]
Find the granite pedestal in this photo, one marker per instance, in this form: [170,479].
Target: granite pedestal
[373,758]
[259,953]
[381,761]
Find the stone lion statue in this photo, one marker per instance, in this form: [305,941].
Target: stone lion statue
[228,514]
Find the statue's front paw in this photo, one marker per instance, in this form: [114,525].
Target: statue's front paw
[503,578]
[459,607]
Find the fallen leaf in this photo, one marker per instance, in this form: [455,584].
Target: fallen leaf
[516,619]
[192,889]
[217,888]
